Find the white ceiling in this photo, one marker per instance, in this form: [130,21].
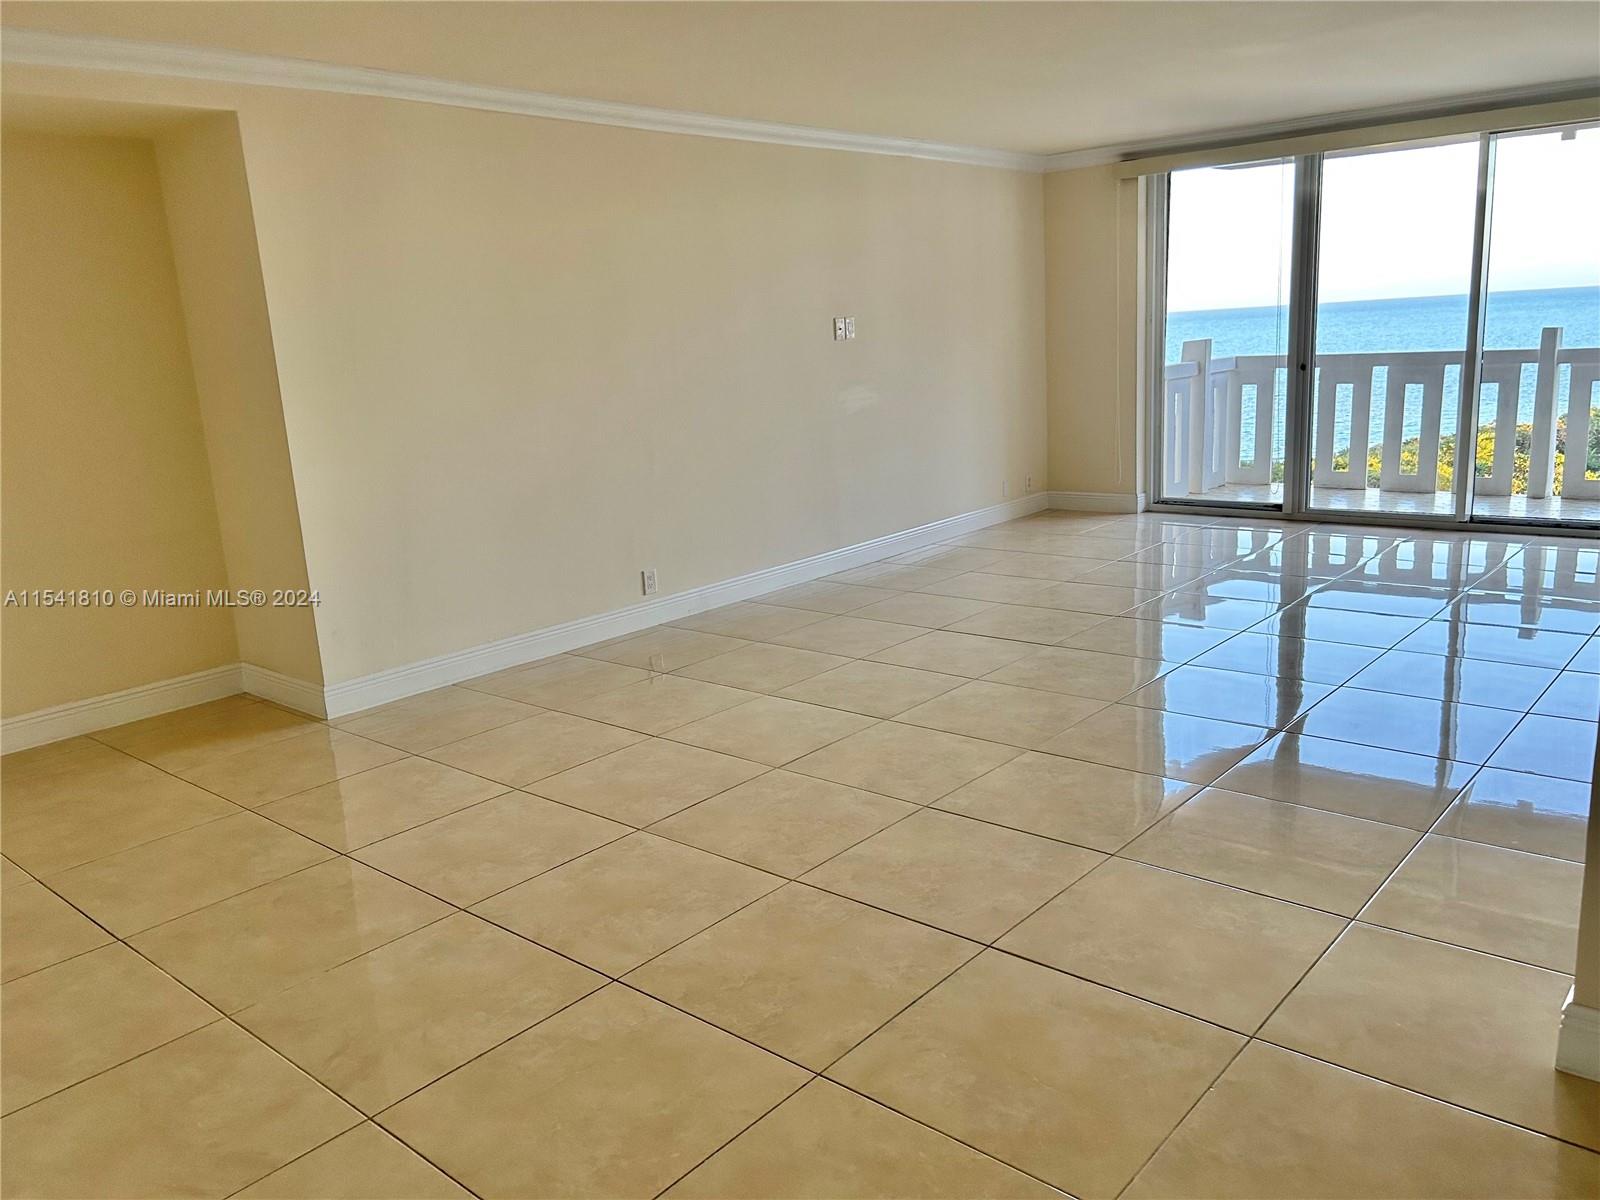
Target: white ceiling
[1036,78]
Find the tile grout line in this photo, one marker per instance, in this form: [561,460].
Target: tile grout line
[222,1016]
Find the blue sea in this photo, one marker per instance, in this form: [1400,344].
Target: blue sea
[1514,321]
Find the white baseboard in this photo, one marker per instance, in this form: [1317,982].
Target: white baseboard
[1578,1050]
[117,708]
[341,699]
[354,695]
[1106,502]
[283,689]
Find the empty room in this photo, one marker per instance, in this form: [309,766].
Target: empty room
[811,600]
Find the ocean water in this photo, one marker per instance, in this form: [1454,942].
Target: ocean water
[1515,320]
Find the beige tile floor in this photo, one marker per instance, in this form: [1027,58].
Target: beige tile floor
[1084,854]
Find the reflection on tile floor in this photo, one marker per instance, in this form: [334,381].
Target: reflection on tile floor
[1083,854]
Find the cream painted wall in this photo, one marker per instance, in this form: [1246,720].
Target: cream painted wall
[219,275]
[1094,276]
[105,478]
[519,359]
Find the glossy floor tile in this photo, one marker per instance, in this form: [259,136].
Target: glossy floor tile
[1081,673]
[377,1028]
[1214,952]
[192,737]
[763,667]
[1009,1056]
[1574,694]
[1531,647]
[950,653]
[998,712]
[784,823]
[1316,858]
[627,1093]
[849,636]
[534,748]
[658,704]
[1103,808]
[52,821]
[1464,732]
[1160,640]
[1270,700]
[646,781]
[152,883]
[75,1019]
[1505,902]
[557,680]
[623,904]
[803,973]
[965,876]
[203,1115]
[905,761]
[771,729]
[1282,1125]
[748,620]
[289,765]
[1345,777]
[1521,811]
[1082,853]
[353,812]
[1549,746]
[663,649]
[1291,657]
[1479,681]
[38,928]
[826,1142]
[419,723]
[1157,742]
[1398,1007]
[472,854]
[873,689]
[245,948]
[364,1162]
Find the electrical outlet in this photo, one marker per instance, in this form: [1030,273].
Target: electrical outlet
[840,330]
[1029,484]
[647,579]
[1005,488]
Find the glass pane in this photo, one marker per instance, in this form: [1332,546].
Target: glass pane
[1223,397]
[1539,404]
[1394,270]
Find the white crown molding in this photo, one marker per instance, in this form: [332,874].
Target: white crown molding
[38,48]
[84,52]
[1416,110]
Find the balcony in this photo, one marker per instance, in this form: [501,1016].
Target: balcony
[1537,453]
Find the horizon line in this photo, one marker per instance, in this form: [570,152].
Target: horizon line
[1570,287]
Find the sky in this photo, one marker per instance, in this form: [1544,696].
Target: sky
[1394,224]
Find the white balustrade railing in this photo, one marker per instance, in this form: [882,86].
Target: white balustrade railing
[1207,400]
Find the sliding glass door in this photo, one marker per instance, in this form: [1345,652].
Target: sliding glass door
[1394,271]
[1397,333]
[1225,367]
[1538,439]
